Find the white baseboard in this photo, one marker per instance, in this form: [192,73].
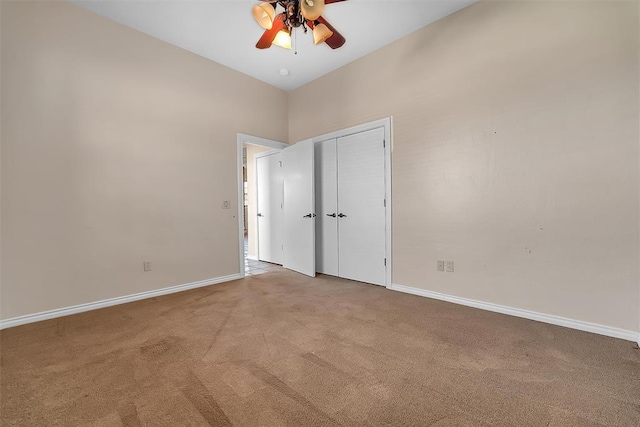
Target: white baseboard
[66,311]
[253,258]
[526,314]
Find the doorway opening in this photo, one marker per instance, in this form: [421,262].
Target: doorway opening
[254,155]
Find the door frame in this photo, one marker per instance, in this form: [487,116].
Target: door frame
[385,123]
[255,185]
[253,140]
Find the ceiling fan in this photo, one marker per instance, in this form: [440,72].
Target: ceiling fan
[297,14]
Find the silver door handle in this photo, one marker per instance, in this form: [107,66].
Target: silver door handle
[342,215]
[311,215]
[333,215]
[260,215]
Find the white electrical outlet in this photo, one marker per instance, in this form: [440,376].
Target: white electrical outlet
[146,265]
[450,266]
[440,265]
[226,204]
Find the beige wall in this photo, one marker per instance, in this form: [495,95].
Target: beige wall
[252,220]
[116,148]
[515,153]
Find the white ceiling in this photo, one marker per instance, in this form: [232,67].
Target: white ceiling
[225,32]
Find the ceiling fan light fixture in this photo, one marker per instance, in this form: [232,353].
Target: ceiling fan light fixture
[311,9]
[297,14]
[283,39]
[264,15]
[321,33]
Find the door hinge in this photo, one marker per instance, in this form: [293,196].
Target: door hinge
[385,203]
[280,163]
[384,143]
[281,206]
[385,261]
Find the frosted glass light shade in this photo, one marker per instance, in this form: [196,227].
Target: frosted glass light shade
[321,33]
[283,39]
[312,9]
[264,15]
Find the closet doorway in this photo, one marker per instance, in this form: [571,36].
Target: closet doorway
[353,204]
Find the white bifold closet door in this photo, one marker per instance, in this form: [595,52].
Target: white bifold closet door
[361,207]
[350,183]
[326,208]
[270,199]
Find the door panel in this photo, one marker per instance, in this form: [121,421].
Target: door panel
[270,195]
[326,204]
[299,208]
[361,193]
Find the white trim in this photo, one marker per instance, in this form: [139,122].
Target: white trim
[66,311]
[241,140]
[385,123]
[252,258]
[526,314]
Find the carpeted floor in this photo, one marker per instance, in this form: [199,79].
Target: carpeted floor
[282,349]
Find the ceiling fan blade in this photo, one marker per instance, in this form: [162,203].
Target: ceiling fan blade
[336,40]
[270,35]
[331,1]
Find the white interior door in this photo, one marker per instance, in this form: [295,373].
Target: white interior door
[269,204]
[326,207]
[361,207]
[299,208]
